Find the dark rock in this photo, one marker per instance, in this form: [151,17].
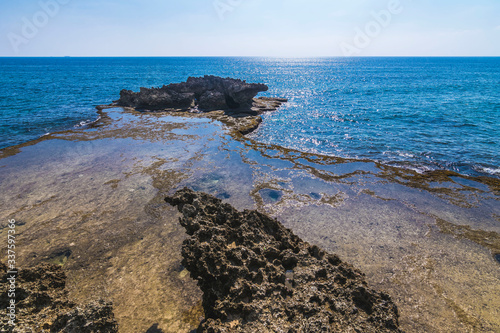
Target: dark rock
[42,304]
[208,93]
[212,100]
[154,329]
[257,275]
[230,101]
[96,316]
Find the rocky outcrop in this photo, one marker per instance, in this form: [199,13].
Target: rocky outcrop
[206,93]
[230,101]
[257,276]
[42,304]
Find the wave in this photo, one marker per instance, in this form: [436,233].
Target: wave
[491,171]
[88,122]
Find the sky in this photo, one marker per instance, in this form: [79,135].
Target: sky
[272,28]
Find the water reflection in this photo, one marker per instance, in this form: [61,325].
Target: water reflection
[430,240]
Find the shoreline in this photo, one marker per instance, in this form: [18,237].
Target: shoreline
[400,175]
[110,87]
[489,179]
[127,162]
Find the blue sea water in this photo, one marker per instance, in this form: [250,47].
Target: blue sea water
[420,113]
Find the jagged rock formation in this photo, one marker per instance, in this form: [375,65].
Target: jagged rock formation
[230,101]
[42,304]
[207,93]
[257,276]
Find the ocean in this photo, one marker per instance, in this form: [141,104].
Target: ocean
[341,165]
[417,113]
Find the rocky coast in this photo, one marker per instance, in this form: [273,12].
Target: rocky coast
[257,276]
[42,304]
[231,101]
[92,202]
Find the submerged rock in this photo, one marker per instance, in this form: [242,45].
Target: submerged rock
[256,275]
[42,304]
[207,93]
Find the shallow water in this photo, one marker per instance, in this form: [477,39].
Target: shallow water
[96,195]
[419,113]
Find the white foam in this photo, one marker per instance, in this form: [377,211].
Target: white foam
[87,122]
[491,171]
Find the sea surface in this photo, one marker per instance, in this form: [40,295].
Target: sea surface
[417,113]
[91,198]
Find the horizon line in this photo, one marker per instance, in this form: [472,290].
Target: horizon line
[276,57]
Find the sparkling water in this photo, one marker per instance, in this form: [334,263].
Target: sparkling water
[419,113]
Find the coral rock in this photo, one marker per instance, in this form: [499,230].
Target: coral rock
[42,304]
[257,276]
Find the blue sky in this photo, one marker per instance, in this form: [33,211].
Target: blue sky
[281,28]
